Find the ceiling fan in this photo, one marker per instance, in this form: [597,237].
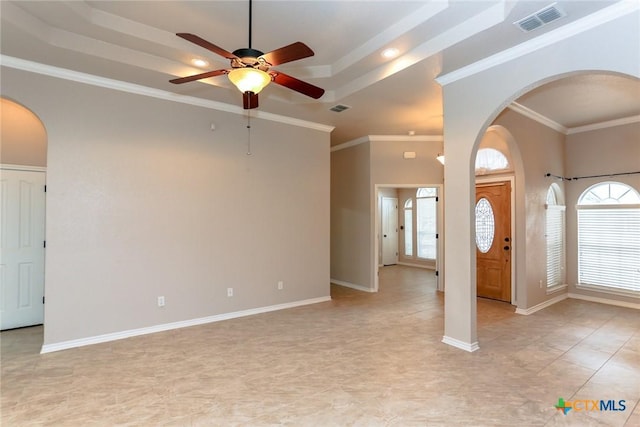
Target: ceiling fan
[251,69]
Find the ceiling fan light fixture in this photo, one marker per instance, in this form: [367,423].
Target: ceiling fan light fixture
[249,79]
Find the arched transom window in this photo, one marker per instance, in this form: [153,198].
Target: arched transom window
[490,160]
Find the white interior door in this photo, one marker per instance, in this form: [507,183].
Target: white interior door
[22,204]
[389,230]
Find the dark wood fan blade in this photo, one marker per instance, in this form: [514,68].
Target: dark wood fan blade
[207,45]
[199,76]
[249,100]
[297,85]
[292,52]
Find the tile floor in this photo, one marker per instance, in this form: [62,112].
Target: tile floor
[359,360]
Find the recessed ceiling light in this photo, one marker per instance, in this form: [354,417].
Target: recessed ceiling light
[199,62]
[389,53]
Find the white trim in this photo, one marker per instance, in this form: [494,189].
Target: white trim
[604,125]
[556,288]
[352,286]
[64,345]
[406,138]
[76,76]
[387,138]
[617,10]
[7,166]
[605,301]
[545,121]
[426,267]
[537,117]
[538,307]
[461,344]
[608,290]
[350,144]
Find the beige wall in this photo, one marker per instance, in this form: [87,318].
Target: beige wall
[599,152]
[351,219]
[389,167]
[145,200]
[23,138]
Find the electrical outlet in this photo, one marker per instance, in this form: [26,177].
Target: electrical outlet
[280,285]
[161,301]
[229,292]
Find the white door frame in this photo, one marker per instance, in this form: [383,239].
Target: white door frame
[40,169]
[377,224]
[514,241]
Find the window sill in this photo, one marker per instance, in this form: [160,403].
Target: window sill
[556,288]
[608,290]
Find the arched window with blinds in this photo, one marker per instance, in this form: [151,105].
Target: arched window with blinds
[609,239]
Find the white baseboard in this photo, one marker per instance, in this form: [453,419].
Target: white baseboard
[605,301]
[426,267]
[64,345]
[538,307]
[352,286]
[461,344]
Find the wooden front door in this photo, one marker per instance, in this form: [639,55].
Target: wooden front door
[493,240]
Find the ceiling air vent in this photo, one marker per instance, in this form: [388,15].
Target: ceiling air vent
[339,108]
[540,18]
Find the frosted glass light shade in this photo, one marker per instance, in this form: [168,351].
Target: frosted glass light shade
[249,79]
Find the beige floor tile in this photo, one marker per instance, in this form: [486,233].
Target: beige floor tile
[359,360]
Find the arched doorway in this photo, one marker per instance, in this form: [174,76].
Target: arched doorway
[472,101]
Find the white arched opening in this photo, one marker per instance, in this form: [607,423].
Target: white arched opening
[472,101]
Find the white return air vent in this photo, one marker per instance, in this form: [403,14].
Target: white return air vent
[339,108]
[540,18]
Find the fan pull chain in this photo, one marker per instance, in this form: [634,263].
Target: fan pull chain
[248,132]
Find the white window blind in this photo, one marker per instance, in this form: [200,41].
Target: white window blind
[609,246]
[555,236]
[426,219]
[408,227]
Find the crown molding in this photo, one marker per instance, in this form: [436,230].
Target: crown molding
[604,125]
[600,17]
[533,115]
[90,79]
[544,120]
[387,138]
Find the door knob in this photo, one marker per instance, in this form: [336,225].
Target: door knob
[385,235]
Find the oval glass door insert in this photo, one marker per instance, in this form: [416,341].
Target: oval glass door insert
[485,225]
